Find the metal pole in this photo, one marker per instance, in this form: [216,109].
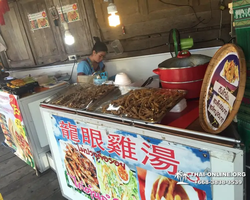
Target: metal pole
[196,133]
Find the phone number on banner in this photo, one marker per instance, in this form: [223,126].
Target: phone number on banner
[219,182]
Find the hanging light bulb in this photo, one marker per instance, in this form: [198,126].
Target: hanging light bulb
[68,37]
[114,19]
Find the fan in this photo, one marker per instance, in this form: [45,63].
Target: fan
[177,44]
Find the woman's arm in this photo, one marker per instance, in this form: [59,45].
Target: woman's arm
[83,68]
[80,73]
[102,66]
[103,69]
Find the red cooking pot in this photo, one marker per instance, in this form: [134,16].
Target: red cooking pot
[184,72]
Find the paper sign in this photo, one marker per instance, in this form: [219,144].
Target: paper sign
[224,93]
[218,109]
[38,20]
[68,13]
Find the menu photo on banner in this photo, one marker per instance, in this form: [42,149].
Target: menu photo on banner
[13,128]
[107,163]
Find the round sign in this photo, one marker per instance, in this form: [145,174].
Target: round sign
[222,89]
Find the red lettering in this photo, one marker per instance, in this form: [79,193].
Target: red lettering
[113,144]
[85,135]
[69,131]
[73,133]
[96,139]
[65,129]
[161,158]
[122,146]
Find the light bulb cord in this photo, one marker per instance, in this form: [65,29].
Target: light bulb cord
[62,11]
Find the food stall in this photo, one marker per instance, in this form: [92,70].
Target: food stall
[111,142]
[21,120]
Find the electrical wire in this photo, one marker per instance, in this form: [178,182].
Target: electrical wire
[218,39]
[198,18]
[221,18]
[146,48]
[62,11]
[233,38]
[203,41]
[72,70]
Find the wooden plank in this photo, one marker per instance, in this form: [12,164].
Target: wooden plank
[44,44]
[6,157]
[16,175]
[92,21]
[146,42]
[18,50]
[79,29]
[56,196]
[27,186]
[1,136]
[46,191]
[4,150]
[11,165]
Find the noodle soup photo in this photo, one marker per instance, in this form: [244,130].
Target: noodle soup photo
[156,187]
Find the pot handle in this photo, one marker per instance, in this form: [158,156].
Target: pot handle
[156,71]
[183,54]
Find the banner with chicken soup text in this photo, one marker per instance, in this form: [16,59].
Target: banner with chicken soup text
[13,127]
[106,163]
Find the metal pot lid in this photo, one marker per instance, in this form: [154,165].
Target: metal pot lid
[184,60]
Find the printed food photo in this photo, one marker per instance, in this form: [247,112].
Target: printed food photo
[230,71]
[156,187]
[117,182]
[80,169]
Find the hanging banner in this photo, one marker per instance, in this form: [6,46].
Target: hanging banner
[70,13]
[13,128]
[38,20]
[105,163]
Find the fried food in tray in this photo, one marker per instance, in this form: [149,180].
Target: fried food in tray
[149,105]
[79,96]
[80,167]
[16,83]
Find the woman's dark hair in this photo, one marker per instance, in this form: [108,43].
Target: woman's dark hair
[99,46]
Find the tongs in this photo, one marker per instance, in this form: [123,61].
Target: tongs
[147,82]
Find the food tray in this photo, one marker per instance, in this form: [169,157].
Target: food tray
[98,111]
[114,94]
[29,87]
[77,93]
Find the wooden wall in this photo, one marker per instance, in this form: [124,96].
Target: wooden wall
[148,22]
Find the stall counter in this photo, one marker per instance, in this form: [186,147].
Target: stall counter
[141,161]
[21,122]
